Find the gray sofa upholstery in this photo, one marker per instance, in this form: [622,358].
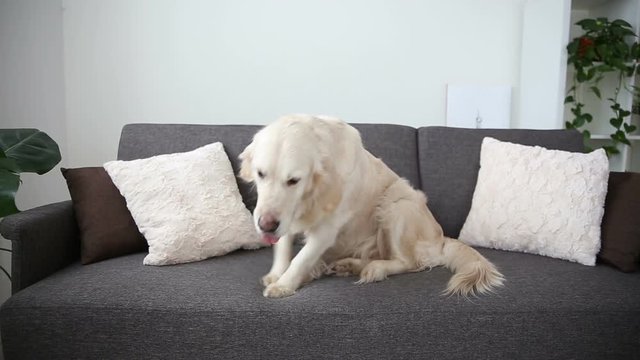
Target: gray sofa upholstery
[120,309]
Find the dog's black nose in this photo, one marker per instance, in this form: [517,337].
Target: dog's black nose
[268,223]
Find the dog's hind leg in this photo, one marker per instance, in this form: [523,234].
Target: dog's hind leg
[378,270]
[346,267]
[402,222]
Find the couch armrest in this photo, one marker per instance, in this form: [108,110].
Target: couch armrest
[44,240]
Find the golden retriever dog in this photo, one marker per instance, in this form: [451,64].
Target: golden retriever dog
[314,177]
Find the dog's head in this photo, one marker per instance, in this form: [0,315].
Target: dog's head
[295,177]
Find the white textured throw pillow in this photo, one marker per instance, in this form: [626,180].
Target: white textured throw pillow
[187,205]
[539,201]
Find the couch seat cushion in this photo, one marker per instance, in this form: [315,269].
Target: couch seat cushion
[215,309]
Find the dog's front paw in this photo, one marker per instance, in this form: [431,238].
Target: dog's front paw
[276,290]
[269,279]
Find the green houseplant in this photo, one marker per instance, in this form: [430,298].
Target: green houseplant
[22,151]
[606,48]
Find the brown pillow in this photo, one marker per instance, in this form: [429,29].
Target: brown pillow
[107,229]
[620,224]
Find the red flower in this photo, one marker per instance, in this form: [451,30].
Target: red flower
[585,44]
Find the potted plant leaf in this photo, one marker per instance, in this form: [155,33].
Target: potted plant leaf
[606,48]
[22,151]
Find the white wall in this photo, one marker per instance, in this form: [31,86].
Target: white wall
[249,61]
[32,84]
[32,92]
[543,64]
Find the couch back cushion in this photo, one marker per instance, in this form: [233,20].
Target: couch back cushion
[139,141]
[395,144]
[449,161]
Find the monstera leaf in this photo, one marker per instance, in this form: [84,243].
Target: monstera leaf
[23,150]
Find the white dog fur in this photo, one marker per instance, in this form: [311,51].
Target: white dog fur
[313,176]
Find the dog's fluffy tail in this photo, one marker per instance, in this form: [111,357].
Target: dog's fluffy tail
[473,273]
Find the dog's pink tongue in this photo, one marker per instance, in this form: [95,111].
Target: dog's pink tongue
[270,238]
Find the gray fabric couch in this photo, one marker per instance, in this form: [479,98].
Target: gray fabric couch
[214,309]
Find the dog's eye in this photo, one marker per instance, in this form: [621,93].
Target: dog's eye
[292,181]
[260,174]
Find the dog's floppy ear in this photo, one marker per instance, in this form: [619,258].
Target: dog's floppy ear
[246,158]
[326,190]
